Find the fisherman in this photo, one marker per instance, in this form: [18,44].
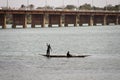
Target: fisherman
[68,54]
[48,50]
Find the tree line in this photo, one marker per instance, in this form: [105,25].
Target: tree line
[73,7]
[69,7]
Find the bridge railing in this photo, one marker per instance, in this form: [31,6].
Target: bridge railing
[55,10]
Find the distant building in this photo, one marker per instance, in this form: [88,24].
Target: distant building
[6,8]
[59,8]
[39,8]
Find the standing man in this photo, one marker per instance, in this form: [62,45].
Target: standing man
[48,50]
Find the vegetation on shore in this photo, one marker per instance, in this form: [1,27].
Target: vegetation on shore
[85,6]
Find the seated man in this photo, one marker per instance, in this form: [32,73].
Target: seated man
[68,54]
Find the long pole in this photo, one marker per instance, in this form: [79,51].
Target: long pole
[27,4]
[7,4]
[119,6]
[78,4]
[45,4]
[106,5]
[63,4]
[92,5]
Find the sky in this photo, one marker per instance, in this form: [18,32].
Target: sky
[57,3]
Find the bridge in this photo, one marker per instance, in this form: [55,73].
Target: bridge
[59,17]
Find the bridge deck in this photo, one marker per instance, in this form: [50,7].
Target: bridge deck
[80,12]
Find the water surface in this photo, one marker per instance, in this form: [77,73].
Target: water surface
[20,51]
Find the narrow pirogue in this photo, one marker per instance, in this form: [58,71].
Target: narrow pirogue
[65,56]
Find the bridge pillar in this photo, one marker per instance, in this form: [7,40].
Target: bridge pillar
[91,20]
[70,19]
[117,20]
[60,21]
[19,19]
[105,20]
[55,19]
[38,19]
[3,20]
[76,21]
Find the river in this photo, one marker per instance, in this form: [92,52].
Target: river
[21,49]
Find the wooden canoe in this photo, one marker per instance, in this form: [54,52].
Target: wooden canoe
[65,56]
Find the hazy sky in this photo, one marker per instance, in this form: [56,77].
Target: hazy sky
[17,3]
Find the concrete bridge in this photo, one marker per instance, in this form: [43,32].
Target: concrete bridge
[38,17]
